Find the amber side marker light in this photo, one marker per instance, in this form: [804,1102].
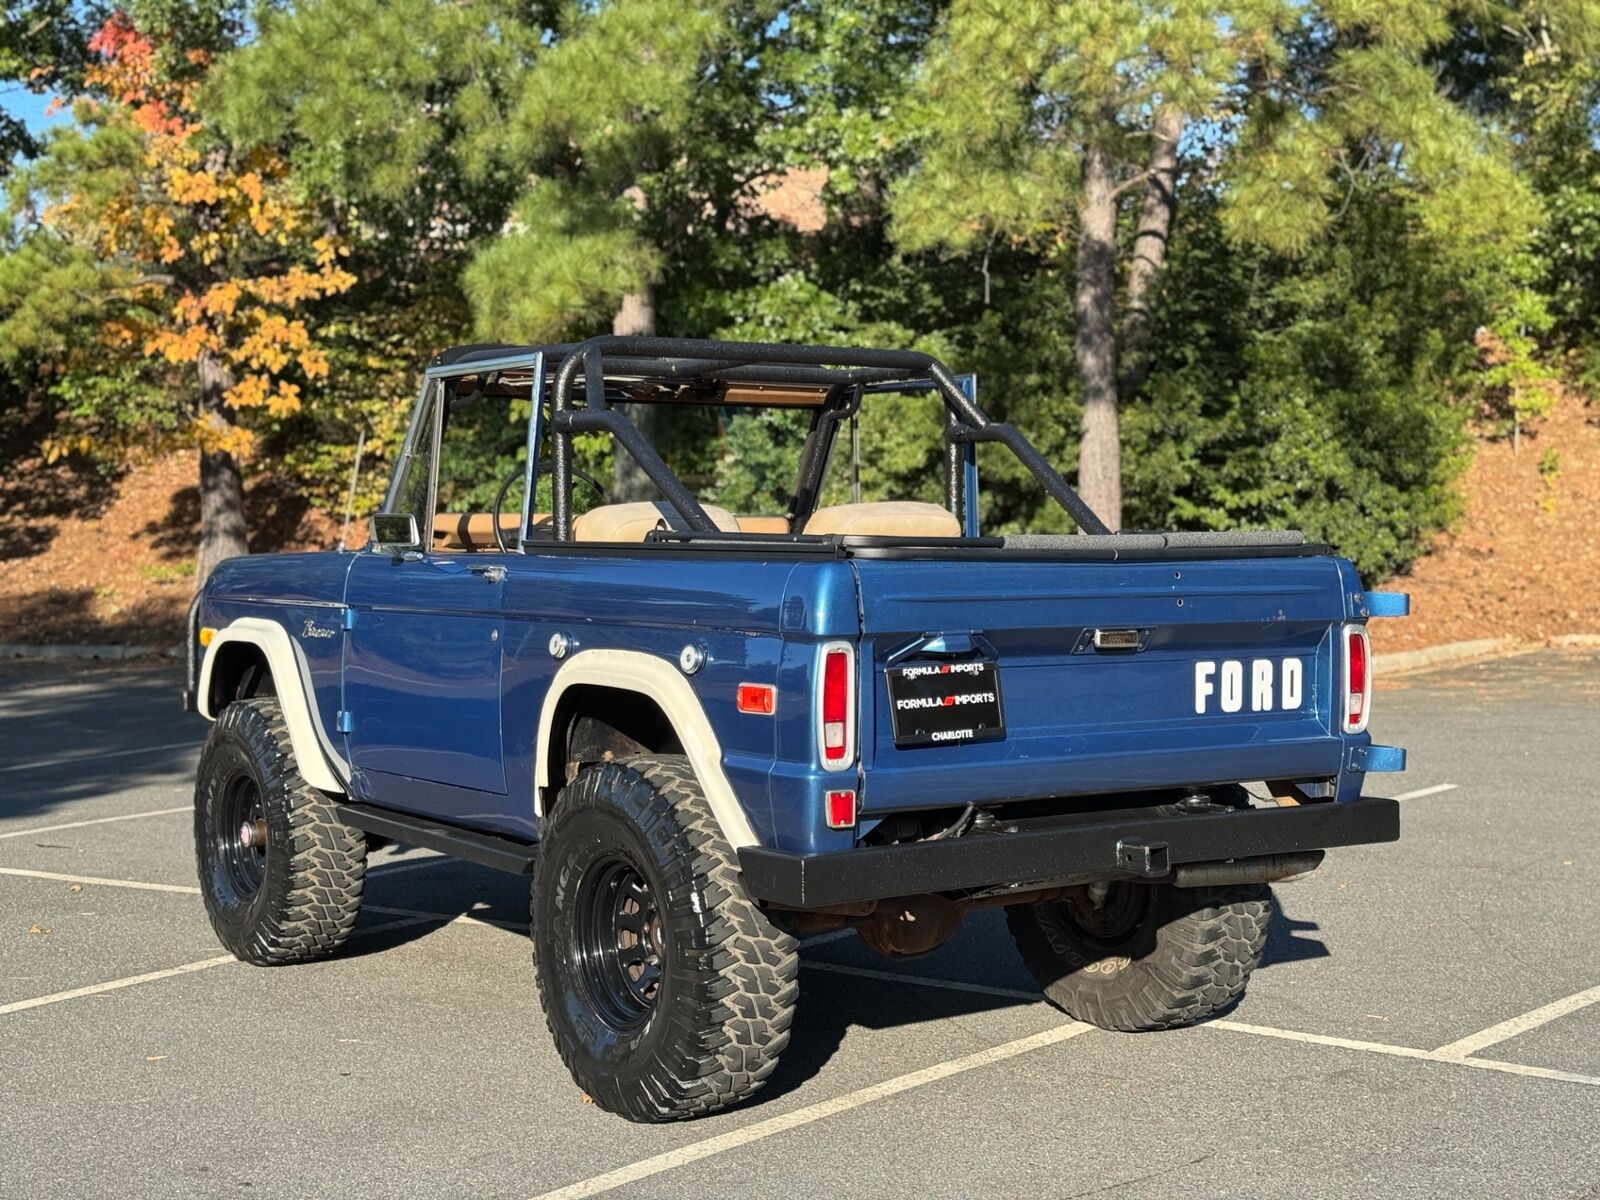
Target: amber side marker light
[206,635]
[759,698]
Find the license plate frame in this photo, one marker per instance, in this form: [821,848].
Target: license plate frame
[970,708]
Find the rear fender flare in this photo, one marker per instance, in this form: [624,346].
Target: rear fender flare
[660,681]
[318,763]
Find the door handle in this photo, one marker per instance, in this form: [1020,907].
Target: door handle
[493,573]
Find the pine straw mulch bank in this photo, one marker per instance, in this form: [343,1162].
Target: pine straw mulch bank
[93,561]
[115,564]
[1524,562]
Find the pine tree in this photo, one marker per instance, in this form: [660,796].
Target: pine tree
[1067,128]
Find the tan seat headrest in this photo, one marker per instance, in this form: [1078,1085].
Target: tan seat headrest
[758,524]
[885,518]
[633,522]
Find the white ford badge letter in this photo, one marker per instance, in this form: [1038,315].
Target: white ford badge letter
[1203,671]
[1231,679]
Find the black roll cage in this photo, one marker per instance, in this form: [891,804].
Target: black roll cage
[846,372]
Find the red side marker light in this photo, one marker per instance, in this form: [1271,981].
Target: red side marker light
[841,810]
[761,698]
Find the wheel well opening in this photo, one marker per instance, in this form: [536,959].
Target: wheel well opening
[238,672]
[597,724]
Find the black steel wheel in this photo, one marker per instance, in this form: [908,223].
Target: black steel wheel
[280,875]
[668,993]
[617,939]
[237,827]
[1135,956]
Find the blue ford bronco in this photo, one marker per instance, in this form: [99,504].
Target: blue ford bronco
[707,736]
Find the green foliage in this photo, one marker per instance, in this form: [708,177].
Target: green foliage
[1314,393]
[1517,380]
[1384,213]
[44,46]
[565,260]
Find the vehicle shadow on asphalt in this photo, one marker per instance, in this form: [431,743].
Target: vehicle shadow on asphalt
[91,734]
[831,1003]
[1289,940]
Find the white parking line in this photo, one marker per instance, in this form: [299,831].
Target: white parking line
[1433,1056]
[1428,791]
[73,761]
[114,985]
[138,816]
[136,885]
[1457,1053]
[1485,1038]
[415,915]
[394,868]
[923,981]
[96,989]
[733,1139]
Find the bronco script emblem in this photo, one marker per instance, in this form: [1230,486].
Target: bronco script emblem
[316,631]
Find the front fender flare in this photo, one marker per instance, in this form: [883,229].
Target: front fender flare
[662,682]
[318,763]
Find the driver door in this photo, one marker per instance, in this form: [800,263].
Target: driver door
[422,676]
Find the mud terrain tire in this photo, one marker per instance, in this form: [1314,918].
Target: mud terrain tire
[293,894]
[1152,956]
[668,992]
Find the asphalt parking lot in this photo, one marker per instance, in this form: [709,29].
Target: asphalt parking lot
[1426,1023]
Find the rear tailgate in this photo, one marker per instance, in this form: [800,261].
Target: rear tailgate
[1250,635]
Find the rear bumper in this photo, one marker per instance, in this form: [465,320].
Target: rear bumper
[1126,843]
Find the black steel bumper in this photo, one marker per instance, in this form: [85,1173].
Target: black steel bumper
[1119,843]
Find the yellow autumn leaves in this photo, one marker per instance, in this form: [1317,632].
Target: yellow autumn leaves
[218,250]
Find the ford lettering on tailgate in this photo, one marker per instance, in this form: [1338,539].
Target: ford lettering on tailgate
[934,704]
[1261,685]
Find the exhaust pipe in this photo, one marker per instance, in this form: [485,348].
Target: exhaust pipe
[1268,868]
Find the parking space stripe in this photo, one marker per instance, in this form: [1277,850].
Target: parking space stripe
[1428,791]
[114,985]
[1457,1053]
[135,885]
[734,1139]
[981,989]
[1506,1030]
[1320,1039]
[88,758]
[1511,1068]
[138,816]
[96,989]
[415,915]
[1433,1056]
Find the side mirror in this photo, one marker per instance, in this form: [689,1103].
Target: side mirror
[395,531]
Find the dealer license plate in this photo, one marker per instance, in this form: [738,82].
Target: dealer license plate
[945,703]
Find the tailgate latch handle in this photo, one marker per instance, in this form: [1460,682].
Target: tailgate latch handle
[1143,858]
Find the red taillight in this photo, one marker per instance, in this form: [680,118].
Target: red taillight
[841,808]
[758,698]
[1357,678]
[836,726]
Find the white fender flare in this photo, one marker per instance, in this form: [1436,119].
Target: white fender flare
[315,758]
[661,681]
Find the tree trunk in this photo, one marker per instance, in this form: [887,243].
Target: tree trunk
[636,316]
[1094,343]
[1150,249]
[222,528]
